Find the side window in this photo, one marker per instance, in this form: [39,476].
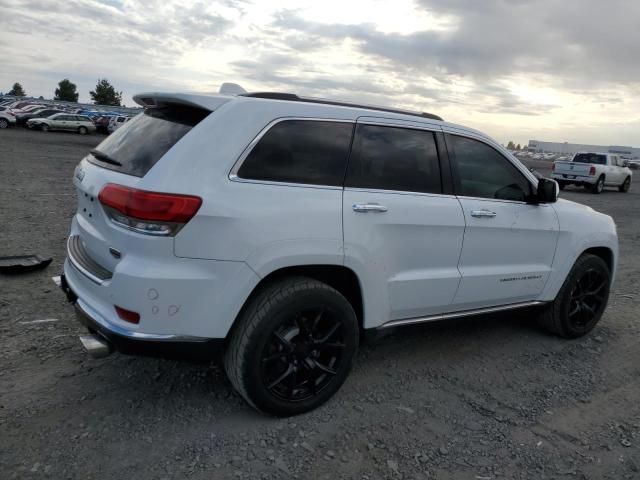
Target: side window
[300,151]
[483,172]
[394,158]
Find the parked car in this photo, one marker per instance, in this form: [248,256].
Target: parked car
[6,118]
[63,121]
[280,229]
[21,119]
[593,171]
[102,123]
[116,122]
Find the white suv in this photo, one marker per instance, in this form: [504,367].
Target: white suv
[281,228]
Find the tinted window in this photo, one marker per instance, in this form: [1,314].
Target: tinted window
[62,117]
[139,144]
[391,158]
[300,151]
[483,172]
[590,158]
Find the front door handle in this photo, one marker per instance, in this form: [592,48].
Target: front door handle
[483,213]
[369,207]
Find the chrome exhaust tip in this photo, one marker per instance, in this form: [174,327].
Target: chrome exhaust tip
[95,345]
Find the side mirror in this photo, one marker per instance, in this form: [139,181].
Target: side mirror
[548,191]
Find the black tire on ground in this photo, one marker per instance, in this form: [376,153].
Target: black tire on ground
[624,188]
[82,130]
[581,301]
[44,127]
[561,185]
[597,187]
[292,346]
[3,123]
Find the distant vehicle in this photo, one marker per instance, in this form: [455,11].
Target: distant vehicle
[6,118]
[102,123]
[116,122]
[634,164]
[22,118]
[63,121]
[593,171]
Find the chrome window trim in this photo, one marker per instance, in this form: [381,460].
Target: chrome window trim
[233,174]
[461,313]
[397,192]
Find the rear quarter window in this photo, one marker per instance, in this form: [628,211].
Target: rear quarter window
[300,151]
[138,145]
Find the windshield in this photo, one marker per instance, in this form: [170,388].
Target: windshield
[140,143]
[596,158]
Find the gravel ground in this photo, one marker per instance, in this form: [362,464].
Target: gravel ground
[480,399]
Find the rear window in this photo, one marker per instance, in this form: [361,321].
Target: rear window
[137,146]
[590,158]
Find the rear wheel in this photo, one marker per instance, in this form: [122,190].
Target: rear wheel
[624,188]
[598,186]
[3,123]
[82,130]
[293,346]
[581,301]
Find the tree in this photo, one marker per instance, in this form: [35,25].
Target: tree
[17,91]
[66,91]
[518,147]
[510,146]
[105,94]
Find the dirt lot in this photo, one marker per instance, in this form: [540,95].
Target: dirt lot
[479,399]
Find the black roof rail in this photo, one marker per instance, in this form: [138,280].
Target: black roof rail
[295,98]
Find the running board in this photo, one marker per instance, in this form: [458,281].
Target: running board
[463,313]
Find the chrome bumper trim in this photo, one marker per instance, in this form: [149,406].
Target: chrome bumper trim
[463,313]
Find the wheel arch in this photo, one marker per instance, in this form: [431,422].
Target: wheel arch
[605,253]
[342,278]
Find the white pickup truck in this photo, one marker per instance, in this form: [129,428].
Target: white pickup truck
[593,171]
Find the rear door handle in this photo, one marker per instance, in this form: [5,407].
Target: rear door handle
[483,213]
[369,207]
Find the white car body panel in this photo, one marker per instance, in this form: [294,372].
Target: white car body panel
[426,255]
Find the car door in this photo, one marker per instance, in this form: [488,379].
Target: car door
[402,231]
[616,172]
[509,241]
[60,122]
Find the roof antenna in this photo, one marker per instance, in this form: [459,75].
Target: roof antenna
[231,89]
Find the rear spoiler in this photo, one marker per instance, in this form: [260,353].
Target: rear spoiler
[158,100]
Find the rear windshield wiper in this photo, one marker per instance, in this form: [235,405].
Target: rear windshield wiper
[103,157]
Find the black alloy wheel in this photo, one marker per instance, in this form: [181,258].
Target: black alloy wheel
[303,354]
[587,300]
[292,346]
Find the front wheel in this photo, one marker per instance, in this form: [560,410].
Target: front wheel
[44,127]
[3,123]
[293,346]
[624,188]
[82,130]
[581,301]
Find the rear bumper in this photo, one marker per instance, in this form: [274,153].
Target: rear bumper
[137,343]
[576,178]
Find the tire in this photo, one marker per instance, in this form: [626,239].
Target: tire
[268,350]
[3,123]
[44,127]
[624,188]
[575,311]
[597,187]
[82,130]
[561,185]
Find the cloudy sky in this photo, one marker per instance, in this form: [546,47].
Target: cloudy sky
[562,70]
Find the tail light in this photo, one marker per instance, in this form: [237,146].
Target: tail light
[592,170]
[151,213]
